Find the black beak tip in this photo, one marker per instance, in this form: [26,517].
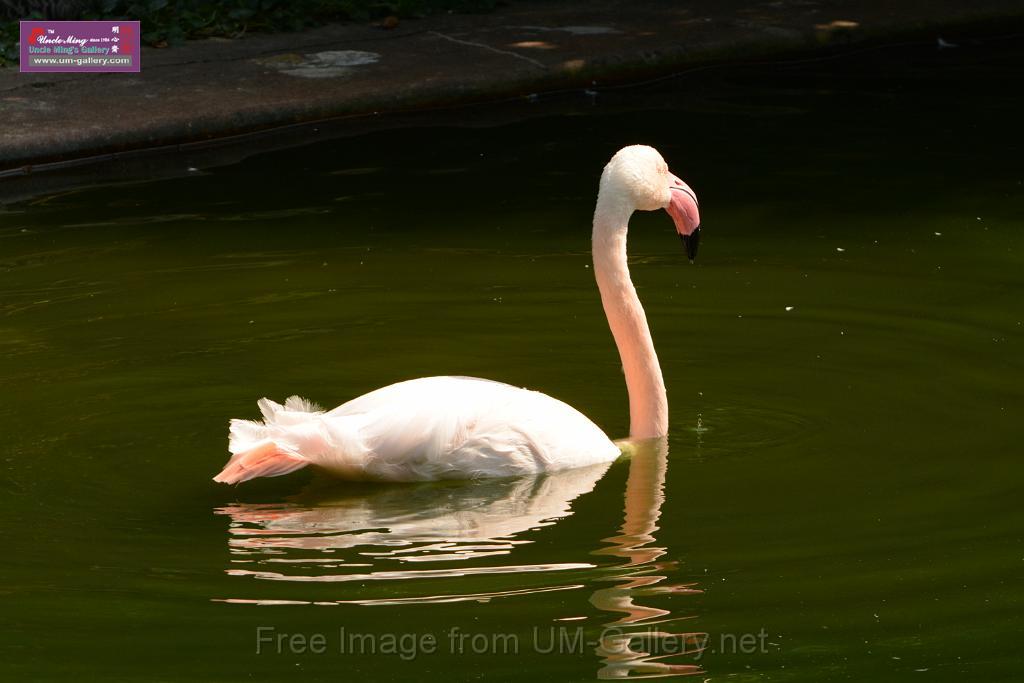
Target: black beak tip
[691,242]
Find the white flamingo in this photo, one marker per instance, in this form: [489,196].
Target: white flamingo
[462,427]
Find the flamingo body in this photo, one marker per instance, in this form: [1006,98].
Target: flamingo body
[467,428]
[420,430]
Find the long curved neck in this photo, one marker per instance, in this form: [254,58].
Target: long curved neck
[648,402]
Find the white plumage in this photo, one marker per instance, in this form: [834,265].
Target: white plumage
[427,429]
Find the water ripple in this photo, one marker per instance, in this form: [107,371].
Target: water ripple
[744,429]
[362,536]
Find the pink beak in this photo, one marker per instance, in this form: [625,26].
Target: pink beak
[683,208]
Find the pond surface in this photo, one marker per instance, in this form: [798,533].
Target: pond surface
[840,495]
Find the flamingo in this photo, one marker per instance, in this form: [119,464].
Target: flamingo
[467,428]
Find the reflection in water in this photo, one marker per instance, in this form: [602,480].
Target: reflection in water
[402,526]
[641,642]
[355,533]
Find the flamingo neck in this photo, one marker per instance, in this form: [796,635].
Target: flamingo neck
[648,402]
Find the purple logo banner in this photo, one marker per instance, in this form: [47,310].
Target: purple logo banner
[80,46]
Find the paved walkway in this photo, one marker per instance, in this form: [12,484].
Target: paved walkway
[213,88]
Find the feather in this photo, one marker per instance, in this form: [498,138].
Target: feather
[270,409]
[245,434]
[301,405]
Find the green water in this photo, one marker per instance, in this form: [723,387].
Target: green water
[839,497]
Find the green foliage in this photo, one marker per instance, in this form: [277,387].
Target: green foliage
[167,22]
[8,42]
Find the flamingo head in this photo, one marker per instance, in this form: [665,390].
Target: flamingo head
[641,176]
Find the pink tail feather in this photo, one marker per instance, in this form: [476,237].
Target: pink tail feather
[263,461]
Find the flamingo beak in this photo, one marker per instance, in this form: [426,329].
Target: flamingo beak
[691,242]
[682,207]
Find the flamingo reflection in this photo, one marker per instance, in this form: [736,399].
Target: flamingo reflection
[438,530]
[642,642]
[406,525]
